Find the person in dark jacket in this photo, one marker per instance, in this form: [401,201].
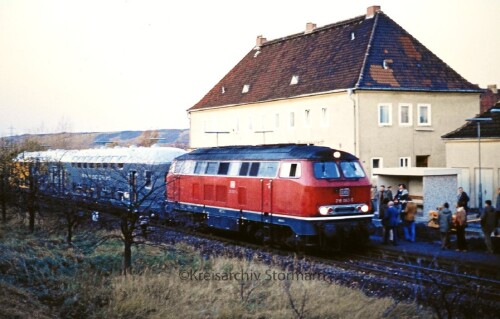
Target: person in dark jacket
[391,218]
[488,224]
[463,199]
[445,226]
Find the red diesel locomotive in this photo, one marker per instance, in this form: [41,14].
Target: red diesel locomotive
[287,193]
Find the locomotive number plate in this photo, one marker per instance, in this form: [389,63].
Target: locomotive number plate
[344,192]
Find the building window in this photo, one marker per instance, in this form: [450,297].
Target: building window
[377,162]
[324,117]
[384,114]
[250,123]
[295,80]
[307,118]
[424,114]
[404,162]
[422,160]
[405,114]
[246,88]
[276,121]
[292,119]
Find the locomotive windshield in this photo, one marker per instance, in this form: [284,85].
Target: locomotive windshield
[330,170]
[352,170]
[326,170]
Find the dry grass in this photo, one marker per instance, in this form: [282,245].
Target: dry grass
[212,293]
[41,278]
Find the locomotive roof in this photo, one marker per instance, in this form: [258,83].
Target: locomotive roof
[146,155]
[266,152]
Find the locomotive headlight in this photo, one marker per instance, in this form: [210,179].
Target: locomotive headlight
[325,210]
[365,208]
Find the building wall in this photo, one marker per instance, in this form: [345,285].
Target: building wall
[321,119]
[329,120]
[391,142]
[464,154]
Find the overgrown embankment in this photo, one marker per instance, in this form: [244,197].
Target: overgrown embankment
[41,277]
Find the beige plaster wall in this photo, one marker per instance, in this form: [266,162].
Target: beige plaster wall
[329,123]
[448,112]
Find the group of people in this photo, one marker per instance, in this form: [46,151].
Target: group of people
[488,217]
[398,209]
[394,209]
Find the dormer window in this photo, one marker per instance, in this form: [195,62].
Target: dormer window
[246,88]
[387,63]
[295,80]
[353,36]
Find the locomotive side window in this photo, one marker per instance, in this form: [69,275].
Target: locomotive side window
[326,170]
[268,169]
[223,168]
[290,170]
[254,169]
[244,169]
[212,168]
[200,168]
[352,170]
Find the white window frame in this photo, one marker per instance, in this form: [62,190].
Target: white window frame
[429,115]
[324,117]
[400,113]
[307,117]
[276,121]
[389,107]
[291,119]
[405,162]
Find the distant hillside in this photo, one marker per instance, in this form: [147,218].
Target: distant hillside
[165,137]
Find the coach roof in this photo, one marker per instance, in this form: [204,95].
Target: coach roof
[266,152]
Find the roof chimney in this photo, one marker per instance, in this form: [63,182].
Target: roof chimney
[260,41]
[310,27]
[493,88]
[370,12]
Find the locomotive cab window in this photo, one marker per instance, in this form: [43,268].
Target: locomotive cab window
[290,170]
[352,170]
[326,170]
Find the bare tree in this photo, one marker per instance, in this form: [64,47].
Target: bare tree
[129,191]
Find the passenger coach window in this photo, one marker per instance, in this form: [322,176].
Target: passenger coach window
[290,170]
[352,170]
[326,170]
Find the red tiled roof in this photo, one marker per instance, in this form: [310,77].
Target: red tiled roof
[360,53]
